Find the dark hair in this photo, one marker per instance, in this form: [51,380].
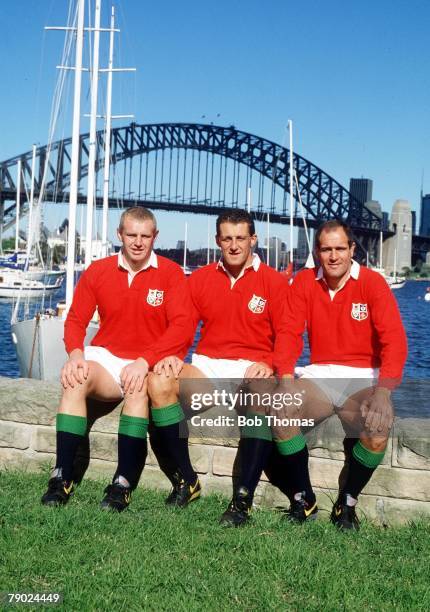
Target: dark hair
[235,215]
[329,226]
[138,213]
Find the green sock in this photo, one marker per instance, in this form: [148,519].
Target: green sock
[136,427]
[168,415]
[255,429]
[71,423]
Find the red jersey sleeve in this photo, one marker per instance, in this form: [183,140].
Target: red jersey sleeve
[279,293]
[289,339]
[80,313]
[179,333]
[390,331]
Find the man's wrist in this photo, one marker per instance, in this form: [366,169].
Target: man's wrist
[382,391]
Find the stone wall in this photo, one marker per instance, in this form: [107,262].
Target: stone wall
[398,492]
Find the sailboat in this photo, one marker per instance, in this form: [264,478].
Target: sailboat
[39,340]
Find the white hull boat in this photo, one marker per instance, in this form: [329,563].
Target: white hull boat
[17,284]
[40,348]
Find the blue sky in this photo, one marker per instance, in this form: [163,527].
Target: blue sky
[353,76]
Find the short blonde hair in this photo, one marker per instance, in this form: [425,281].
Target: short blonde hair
[138,213]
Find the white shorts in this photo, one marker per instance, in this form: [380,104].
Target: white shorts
[339,382]
[109,362]
[221,368]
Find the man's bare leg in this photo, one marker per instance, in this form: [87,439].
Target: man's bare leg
[365,444]
[288,467]
[72,423]
[168,438]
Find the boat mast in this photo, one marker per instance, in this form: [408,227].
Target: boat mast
[268,239]
[30,211]
[185,247]
[209,247]
[108,128]
[93,131]
[290,129]
[18,205]
[74,166]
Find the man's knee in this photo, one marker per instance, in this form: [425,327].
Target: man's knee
[79,389]
[161,389]
[375,444]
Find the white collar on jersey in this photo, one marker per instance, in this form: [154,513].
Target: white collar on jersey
[151,263]
[255,264]
[354,272]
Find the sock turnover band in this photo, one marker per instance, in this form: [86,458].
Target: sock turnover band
[136,427]
[367,457]
[169,415]
[292,446]
[71,423]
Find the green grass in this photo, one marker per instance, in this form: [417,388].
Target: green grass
[153,558]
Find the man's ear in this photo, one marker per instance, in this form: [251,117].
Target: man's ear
[217,240]
[118,233]
[352,249]
[254,239]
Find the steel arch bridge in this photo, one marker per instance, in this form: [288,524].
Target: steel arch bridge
[322,196]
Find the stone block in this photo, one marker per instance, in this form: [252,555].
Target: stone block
[223,461]
[200,456]
[153,478]
[44,439]
[100,469]
[104,446]
[14,435]
[108,423]
[26,400]
[325,472]
[27,460]
[214,441]
[221,485]
[389,511]
[400,483]
[412,444]
[326,439]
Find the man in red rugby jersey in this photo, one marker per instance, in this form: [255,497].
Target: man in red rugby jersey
[144,307]
[358,350]
[239,301]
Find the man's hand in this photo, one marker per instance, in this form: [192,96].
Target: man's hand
[377,411]
[75,370]
[258,370]
[133,375]
[169,366]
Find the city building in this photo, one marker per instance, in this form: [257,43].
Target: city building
[361,189]
[398,248]
[302,250]
[425,215]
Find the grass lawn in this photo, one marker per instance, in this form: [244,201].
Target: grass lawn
[153,558]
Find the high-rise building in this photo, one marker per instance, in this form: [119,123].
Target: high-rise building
[397,248]
[361,189]
[425,215]
[302,251]
[414,222]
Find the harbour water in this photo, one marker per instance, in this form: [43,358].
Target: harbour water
[413,399]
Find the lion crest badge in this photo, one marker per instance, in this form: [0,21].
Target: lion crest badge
[257,304]
[359,312]
[155,297]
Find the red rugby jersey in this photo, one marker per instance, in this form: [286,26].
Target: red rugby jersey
[238,322]
[360,327]
[149,319]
